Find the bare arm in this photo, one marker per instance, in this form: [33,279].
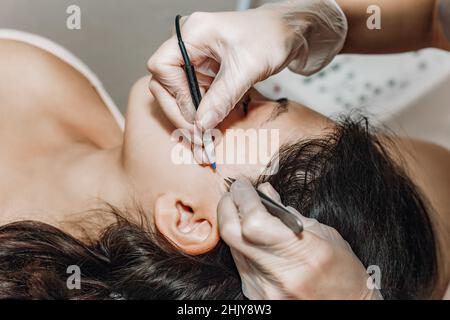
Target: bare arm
[405,25]
[428,166]
[447,294]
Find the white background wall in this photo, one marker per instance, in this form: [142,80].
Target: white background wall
[117,36]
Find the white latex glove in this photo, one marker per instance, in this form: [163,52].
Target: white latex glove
[274,263]
[232,51]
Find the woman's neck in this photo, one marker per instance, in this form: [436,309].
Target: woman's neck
[62,187]
[99,174]
[95,179]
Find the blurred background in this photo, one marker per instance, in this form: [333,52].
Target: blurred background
[410,93]
[116,38]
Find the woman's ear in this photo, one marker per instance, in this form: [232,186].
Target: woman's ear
[193,229]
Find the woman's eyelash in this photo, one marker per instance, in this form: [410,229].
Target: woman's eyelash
[246,104]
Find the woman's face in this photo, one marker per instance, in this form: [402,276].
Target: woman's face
[183,197]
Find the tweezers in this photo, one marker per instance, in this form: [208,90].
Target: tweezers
[289,218]
[188,67]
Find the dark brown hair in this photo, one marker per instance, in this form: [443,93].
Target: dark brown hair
[128,262]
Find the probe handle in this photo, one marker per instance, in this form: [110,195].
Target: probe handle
[193,85]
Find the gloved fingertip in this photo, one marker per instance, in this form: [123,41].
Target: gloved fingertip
[307,222]
[267,189]
[153,85]
[197,138]
[209,120]
[241,184]
[222,206]
[228,220]
[200,155]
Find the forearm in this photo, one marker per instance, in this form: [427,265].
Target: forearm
[405,25]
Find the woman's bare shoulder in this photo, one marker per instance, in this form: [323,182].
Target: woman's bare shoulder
[428,165]
[426,160]
[36,87]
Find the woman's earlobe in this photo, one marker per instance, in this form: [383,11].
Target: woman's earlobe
[186,226]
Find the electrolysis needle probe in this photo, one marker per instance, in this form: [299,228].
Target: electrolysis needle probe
[195,92]
[278,210]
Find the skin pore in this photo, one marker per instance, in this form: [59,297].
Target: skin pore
[64,155]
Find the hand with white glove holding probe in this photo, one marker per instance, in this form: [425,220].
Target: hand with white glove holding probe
[232,51]
[275,263]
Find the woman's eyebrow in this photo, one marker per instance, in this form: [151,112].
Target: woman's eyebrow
[281,107]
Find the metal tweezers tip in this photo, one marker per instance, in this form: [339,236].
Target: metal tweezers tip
[229,181]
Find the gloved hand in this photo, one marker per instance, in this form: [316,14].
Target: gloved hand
[274,263]
[232,51]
